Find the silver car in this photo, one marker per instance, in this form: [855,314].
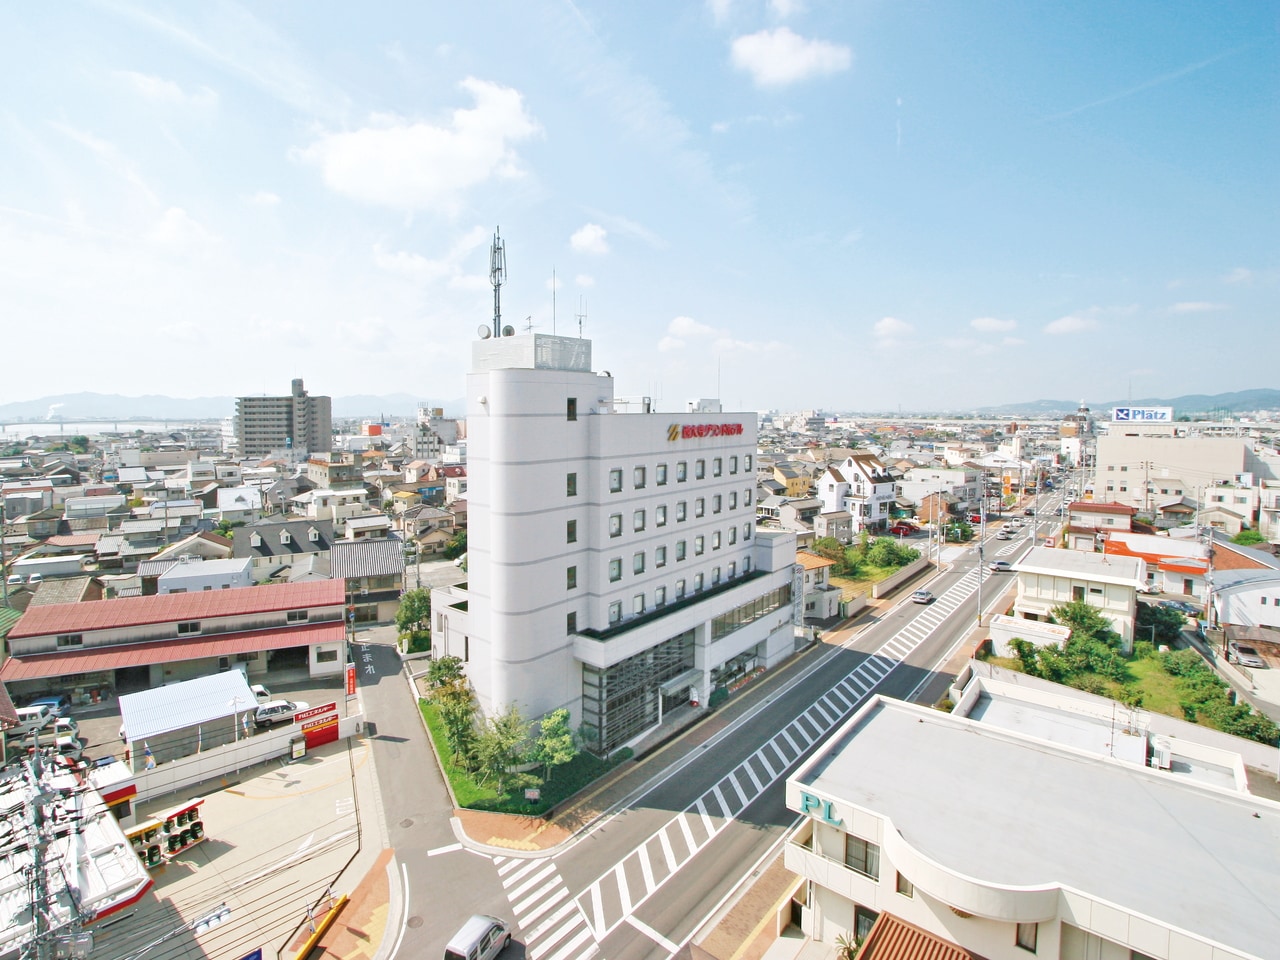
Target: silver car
[1244,655]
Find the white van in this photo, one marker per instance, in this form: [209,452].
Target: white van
[33,718]
[481,938]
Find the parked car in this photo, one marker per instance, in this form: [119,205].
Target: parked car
[14,579]
[1244,655]
[66,727]
[922,596]
[35,578]
[901,529]
[1004,535]
[69,746]
[260,693]
[1190,609]
[975,518]
[33,718]
[1000,566]
[59,703]
[277,711]
[1029,512]
[1151,587]
[481,938]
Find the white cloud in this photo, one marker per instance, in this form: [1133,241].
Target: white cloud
[689,327]
[166,91]
[426,270]
[775,58]
[670,344]
[585,280]
[891,329]
[1013,342]
[1239,275]
[412,165]
[265,198]
[590,238]
[992,324]
[1197,306]
[176,228]
[719,9]
[782,9]
[1070,324]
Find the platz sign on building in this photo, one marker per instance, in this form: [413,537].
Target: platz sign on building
[1142,415]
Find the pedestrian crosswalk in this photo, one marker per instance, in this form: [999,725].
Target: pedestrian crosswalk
[613,897]
[551,925]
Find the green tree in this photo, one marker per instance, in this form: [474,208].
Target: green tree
[414,614]
[1167,622]
[456,545]
[829,548]
[501,745]
[554,746]
[1247,537]
[444,671]
[457,705]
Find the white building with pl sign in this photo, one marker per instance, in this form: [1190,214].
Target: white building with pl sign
[1028,836]
[613,563]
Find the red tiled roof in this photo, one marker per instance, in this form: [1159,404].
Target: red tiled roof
[165,651]
[74,539]
[811,561]
[1089,506]
[137,611]
[894,939]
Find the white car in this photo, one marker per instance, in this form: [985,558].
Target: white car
[278,711]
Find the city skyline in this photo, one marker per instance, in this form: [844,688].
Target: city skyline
[783,204]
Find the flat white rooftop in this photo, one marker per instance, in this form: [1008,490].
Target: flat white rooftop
[1008,809]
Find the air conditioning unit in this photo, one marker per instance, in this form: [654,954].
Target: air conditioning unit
[1161,753]
[364,591]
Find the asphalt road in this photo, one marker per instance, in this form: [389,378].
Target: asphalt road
[645,879]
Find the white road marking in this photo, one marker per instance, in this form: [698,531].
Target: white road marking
[439,850]
[653,935]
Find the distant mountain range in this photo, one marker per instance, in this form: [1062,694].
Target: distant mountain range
[105,406]
[1192,404]
[110,406]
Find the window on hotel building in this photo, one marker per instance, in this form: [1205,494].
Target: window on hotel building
[715,575]
[862,856]
[571,622]
[733,465]
[679,589]
[699,507]
[746,531]
[733,535]
[615,525]
[699,469]
[733,569]
[905,887]
[680,511]
[1025,937]
[615,481]
[715,503]
[571,408]
[660,596]
[680,553]
[615,611]
[716,467]
[637,478]
[715,540]
[746,498]
[746,462]
[571,578]
[682,471]
[698,544]
[733,500]
[660,474]
[697,582]
[637,604]
[660,515]
[571,484]
[637,521]
[615,569]
[637,562]
[571,531]
[659,556]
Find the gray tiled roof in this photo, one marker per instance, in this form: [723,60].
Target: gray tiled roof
[371,557]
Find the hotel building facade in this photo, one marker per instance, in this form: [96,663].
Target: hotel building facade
[614,567]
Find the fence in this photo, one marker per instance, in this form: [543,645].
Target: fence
[891,583]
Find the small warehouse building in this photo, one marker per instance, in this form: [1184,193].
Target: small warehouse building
[185,718]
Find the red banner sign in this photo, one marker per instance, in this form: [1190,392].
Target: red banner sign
[351,680]
[693,431]
[302,716]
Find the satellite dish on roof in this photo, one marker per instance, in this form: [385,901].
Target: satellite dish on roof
[483,331]
[508,331]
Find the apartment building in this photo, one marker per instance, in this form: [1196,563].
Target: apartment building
[298,422]
[614,567]
[1049,577]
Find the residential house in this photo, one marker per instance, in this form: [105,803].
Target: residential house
[1173,565]
[376,526]
[1089,523]
[239,504]
[793,478]
[193,575]
[1049,578]
[862,486]
[373,573]
[335,471]
[964,484]
[838,525]
[276,545]
[331,505]
[821,597]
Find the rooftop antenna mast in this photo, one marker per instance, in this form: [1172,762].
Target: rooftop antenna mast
[582,315]
[497,277]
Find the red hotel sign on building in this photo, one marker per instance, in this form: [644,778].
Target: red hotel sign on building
[692,431]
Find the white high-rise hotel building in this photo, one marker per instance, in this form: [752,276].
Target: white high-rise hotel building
[613,563]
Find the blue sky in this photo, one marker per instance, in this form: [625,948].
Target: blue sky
[788,203]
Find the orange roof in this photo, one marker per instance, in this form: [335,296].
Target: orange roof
[811,561]
[894,939]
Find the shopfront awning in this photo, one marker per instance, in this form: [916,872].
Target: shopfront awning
[680,681]
[98,659]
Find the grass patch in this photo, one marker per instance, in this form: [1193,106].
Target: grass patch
[566,780]
[1159,689]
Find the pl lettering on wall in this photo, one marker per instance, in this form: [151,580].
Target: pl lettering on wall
[1142,415]
[693,431]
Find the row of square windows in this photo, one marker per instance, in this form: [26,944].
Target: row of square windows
[680,591]
[660,555]
[640,475]
[640,517]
